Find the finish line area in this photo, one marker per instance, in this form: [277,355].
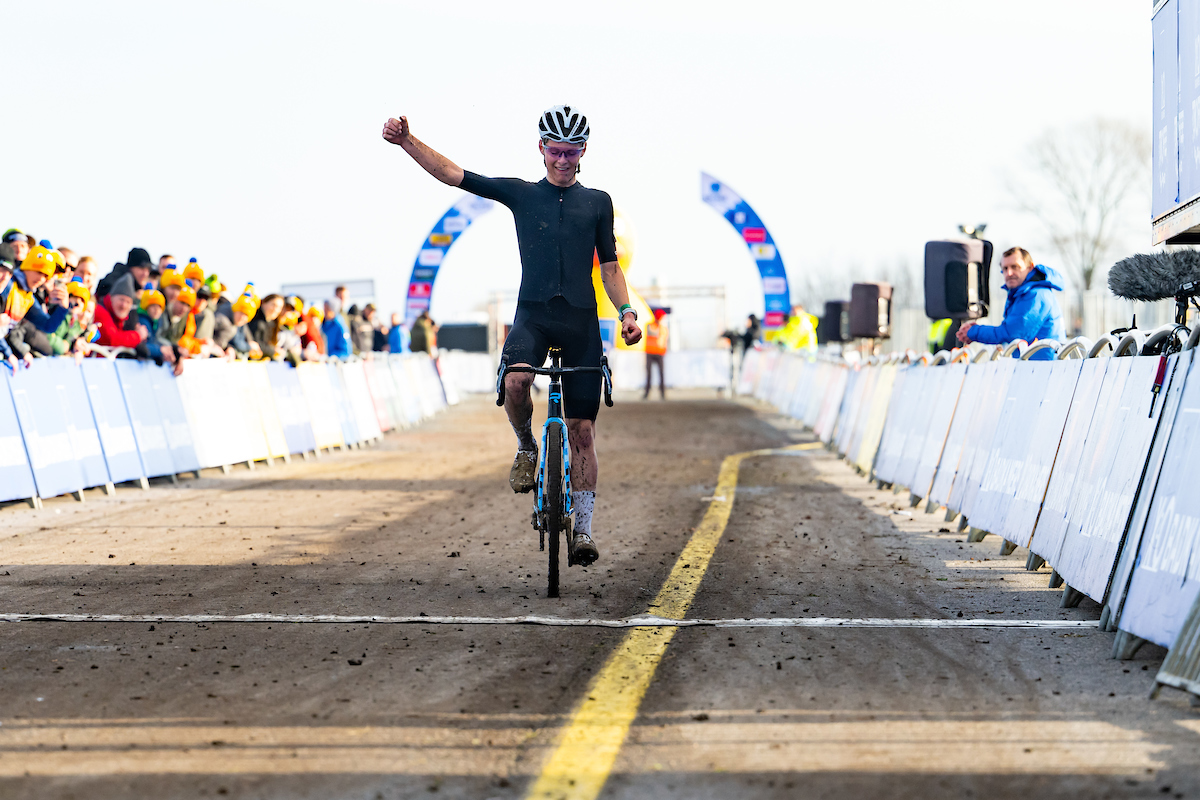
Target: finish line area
[632,622]
[374,624]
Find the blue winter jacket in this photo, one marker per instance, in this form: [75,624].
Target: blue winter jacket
[398,340]
[42,319]
[337,339]
[1031,312]
[154,344]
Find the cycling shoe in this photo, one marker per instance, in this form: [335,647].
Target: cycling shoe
[523,475]
[583,549]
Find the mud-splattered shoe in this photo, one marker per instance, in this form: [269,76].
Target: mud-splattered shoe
[583,549]
[523,475]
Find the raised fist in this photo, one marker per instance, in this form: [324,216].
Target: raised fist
[396,130]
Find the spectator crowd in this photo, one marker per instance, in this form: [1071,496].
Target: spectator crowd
[54,302]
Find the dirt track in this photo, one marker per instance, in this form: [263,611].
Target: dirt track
[114,710]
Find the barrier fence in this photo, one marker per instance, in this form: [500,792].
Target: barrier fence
[1077,459]
[66,427]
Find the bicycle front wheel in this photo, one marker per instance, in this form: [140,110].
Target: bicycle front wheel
[553,500]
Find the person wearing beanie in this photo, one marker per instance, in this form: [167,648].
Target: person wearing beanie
[31,318]
[193,272]
[68,337]
[230,332]
[118,326]
[169,283]
[206,320]
[138,264]
[151,309]
[20,242]
[6,323]
[313,340]
[181,322]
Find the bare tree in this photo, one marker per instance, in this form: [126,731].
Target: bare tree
[906,292]
[1081,185]
[817,285]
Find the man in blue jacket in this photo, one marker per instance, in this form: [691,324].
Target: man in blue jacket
[1031,311]
[337,337]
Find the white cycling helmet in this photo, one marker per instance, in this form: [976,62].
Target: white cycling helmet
[564,124]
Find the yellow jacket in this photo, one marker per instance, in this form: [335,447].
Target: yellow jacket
[800,333]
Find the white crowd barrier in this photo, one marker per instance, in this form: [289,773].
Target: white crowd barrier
[1076,459]
[66,427]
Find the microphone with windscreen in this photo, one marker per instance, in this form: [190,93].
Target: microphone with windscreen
[1157,276]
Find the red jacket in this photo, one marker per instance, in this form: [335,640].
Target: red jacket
[112,328]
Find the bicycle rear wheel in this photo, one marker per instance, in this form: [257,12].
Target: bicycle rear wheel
[553,500]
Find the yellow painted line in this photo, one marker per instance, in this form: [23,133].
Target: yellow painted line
[580,764]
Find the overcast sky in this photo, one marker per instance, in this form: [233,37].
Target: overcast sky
[247,133]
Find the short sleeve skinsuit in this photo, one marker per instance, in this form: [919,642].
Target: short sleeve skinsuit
[558,231]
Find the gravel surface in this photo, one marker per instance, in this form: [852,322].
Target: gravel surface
[425,523]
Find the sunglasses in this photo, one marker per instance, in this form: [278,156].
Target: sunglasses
[569,153]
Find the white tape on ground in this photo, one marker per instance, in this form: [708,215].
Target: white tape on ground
[628,622]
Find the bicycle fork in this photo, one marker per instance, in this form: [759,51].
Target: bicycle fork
[539,519]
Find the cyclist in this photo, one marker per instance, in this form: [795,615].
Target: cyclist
[560,225]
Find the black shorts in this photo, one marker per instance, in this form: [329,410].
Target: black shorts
[576,332]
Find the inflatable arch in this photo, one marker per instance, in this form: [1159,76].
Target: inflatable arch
[433,251]
[776,295]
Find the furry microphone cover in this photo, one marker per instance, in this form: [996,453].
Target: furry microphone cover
[1154,276]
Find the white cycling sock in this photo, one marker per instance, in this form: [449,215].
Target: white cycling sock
[583,502]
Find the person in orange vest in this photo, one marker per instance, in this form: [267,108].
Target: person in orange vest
[656,349]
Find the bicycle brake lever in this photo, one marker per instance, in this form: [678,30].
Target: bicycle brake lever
[500,381]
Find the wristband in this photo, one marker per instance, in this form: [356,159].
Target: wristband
[626,308]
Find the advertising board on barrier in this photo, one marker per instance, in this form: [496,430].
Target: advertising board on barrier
[946,475]
[292,408]
[322,408]
[1005,466]
[341,404]
[65,427]
[262,400]
[977,448]
[1048,403]
[906,389]
[938,435]
[165,391]
[921,422]
[148,430]
[112,420]
[1109,477]
[1166,575]
[81,424]
[40,398]
[16,476]
[873,420]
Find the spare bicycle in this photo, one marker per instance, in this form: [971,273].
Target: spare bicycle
[552,503]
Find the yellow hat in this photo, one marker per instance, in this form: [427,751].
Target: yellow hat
[152,297]
[77,288]
[170,278]
[288,319]
[186,295]
[316,313]
[60,261]
[40,259]
[246,304]
[192,272]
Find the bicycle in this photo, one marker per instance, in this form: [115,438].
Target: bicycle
[552,504]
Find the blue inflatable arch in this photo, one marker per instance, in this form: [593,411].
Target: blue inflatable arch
[433,251]
[777,299]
